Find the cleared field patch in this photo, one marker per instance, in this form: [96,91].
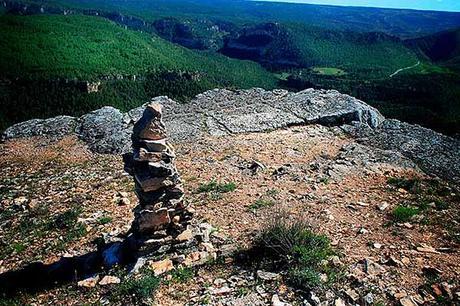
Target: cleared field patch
[329,71]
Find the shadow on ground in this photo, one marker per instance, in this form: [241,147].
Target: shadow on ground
[37,276]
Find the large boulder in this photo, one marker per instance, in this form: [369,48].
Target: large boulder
[104,131]
[257,110]
[331,108]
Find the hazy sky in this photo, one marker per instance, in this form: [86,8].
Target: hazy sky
[438,5]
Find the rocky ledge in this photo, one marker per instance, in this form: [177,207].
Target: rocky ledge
[222,112]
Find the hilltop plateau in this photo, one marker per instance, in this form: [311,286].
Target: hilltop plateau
[383,193]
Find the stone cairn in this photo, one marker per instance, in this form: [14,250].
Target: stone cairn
[163,222]
[158,185]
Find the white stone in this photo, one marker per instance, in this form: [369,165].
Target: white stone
[276,301]
[109,280]
[268,276]
[89,282]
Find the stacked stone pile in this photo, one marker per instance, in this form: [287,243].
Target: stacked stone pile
[162,212]
[163,222]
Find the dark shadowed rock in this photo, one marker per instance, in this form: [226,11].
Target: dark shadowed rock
[331,108]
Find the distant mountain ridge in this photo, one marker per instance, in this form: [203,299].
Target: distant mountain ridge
[443,47]
[402,23]
[278,46]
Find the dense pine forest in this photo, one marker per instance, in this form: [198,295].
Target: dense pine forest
[70,57]
[47,60]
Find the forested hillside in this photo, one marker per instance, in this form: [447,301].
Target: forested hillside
[122,53]
[87,47]
[40,54]
[375,55]
[403,23]
[442,48]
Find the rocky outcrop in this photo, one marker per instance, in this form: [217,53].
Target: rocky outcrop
[201,34]
[54,127]
[215,112]
[223,112]
[104,130]
[432,152]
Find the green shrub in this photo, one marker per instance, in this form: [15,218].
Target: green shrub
[412,185]
[299,277]
[19,247]
[137,289]
[76,232]
[441,204]
[68,218]
[261,203]
[105,220]
[404,213]
[293,244]
[182,275]
[214,186]
[272,192]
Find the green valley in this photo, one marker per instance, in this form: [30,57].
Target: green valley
[403,62]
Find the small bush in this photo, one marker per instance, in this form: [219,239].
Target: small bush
[137,289]
[293,244]
[412,185]
[182,275]
[77,232]
[104,220]
[214,186]
[19,247]
[68,218]
[299,277]
[404,213]
[261,203]
[424,204]
[436,188]
[441,204]
[272,192]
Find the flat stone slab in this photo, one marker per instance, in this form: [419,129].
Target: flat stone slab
[433,152]
[53,127]
[222,112]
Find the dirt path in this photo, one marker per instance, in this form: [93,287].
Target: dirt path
[402,69]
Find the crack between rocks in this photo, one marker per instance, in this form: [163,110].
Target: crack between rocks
[288,112]
[218,122]
[319,120]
